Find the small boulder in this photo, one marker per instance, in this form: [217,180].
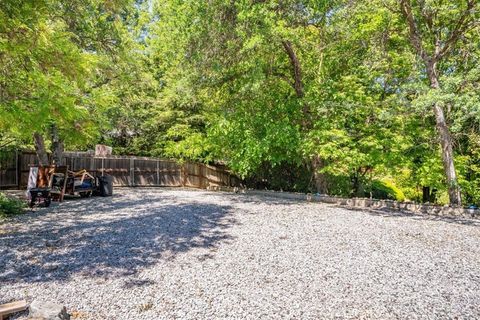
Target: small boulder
[47,310]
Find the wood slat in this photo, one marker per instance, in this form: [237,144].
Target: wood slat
[133,171]
[12,307]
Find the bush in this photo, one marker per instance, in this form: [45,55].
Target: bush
[284,176]
[10,206]
[384,189]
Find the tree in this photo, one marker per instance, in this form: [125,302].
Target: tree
[302,95]
[433,34]
[328,85]
[55,58]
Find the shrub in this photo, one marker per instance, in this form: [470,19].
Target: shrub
[10,206]
[384,189]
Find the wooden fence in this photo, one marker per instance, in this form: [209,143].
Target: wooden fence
[9,173]
[126,170]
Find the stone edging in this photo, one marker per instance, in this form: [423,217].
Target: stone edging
[412,207]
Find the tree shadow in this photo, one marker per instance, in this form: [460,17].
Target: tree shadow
[264,199]
[396,214]
[132,235]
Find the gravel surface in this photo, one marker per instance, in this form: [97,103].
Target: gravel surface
[189,254]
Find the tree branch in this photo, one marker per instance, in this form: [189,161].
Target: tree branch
[297,70]
[5,144]
[283,77]
[415,38]
[461,27]
[427,14]
[297,83]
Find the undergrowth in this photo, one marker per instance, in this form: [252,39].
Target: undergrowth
[10,206]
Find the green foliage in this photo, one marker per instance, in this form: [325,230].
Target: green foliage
[225,90]
[10,206]
[55,58]
[385,189]
[216,82]
[283,176]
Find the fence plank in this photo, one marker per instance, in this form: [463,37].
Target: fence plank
[8,168]
[125,170]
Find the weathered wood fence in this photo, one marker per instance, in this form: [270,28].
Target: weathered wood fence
[126,170]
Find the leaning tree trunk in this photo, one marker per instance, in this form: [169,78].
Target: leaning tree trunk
[447,156]
[442,49]
[40,149]
[445,141]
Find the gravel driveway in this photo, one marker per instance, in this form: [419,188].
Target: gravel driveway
[188,254]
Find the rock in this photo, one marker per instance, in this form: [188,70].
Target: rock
[47,310]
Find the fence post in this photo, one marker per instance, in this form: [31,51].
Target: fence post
[204,176]
[18,172]
[132,171]
[184,175]
[92,163]
[158,172]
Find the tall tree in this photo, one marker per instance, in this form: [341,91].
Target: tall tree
[434,34]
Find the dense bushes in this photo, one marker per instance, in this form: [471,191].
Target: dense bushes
[285,177]
[299,178]
[384,189]
[10,206]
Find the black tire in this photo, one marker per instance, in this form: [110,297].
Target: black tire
[48,201]
[33,198]
[85,194]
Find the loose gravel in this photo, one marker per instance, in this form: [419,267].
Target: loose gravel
[190,254]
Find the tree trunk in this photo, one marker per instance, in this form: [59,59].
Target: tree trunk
[445,140]
[57,146]
[441,50]
[433,196]
[296,68]
[40,149]
[425,194]
[358,187]
[297,84]
[447,156]
[320,178]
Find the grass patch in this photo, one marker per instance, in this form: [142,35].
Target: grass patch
[10,206]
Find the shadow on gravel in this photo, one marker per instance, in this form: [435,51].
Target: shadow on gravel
[386,213]
[263,199]
[78,243]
